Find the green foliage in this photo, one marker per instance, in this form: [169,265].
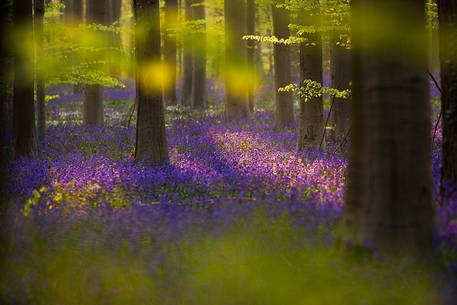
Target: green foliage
[432,14]
[333,22]
[48,98]
[273,39]
[78,53]
[34,200]
[312,89]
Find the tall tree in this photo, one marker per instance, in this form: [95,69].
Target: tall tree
[433,38]
[5,86]
[73,11]
[169,49]
[38,19]
[311,122]
[251,52]
[284,102]
[186,98]
[112,16]
[388,204]
[199,55]
[93,101]
[448,52]
[24,141]
[114,8]
[236,104]
[151,142]
[341,79]
[5,128]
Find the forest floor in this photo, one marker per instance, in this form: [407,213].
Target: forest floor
[237,217]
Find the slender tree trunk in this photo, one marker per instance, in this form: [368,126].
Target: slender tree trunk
[40,83]
[236,103]
[199,56]
[151,142]
[113,11]
[23,89]
[115,6]
[388,204]
[311,124]
[93,100]
[93,105]
[341,79]
[169,49]
[448,49]
[433,36]
[271,65]
[73,11]
[251,51]
[260,71]
[179,46]
[284,102]
[5,126]
[5,96]
[186,98]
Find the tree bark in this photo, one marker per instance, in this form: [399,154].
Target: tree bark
[284,102]
[113,15]
[199,56]
[236,103]
[114,7]
[434,52]
[24,140]
[388,204]
[448,52]
[169,50]
[73,11]
[186,98]
[39,78]
[341,78]
[151,142]
[5,94]
[251,51]
[311,124]
[93,100]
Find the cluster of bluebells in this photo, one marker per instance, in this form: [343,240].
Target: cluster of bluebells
[209,161]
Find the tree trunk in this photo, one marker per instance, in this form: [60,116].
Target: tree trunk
[284,102]
[388,204]
[93,105]
[113,15]
[311,124]
[151,142]
[93,100]
[115,10]
[40,83]
[5,94]
[434,52]
[199,56]
[448,52]
[251,51]
[186,98]
[341,79]
[169,50]
[23,89]
[236,103]
[73,11]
